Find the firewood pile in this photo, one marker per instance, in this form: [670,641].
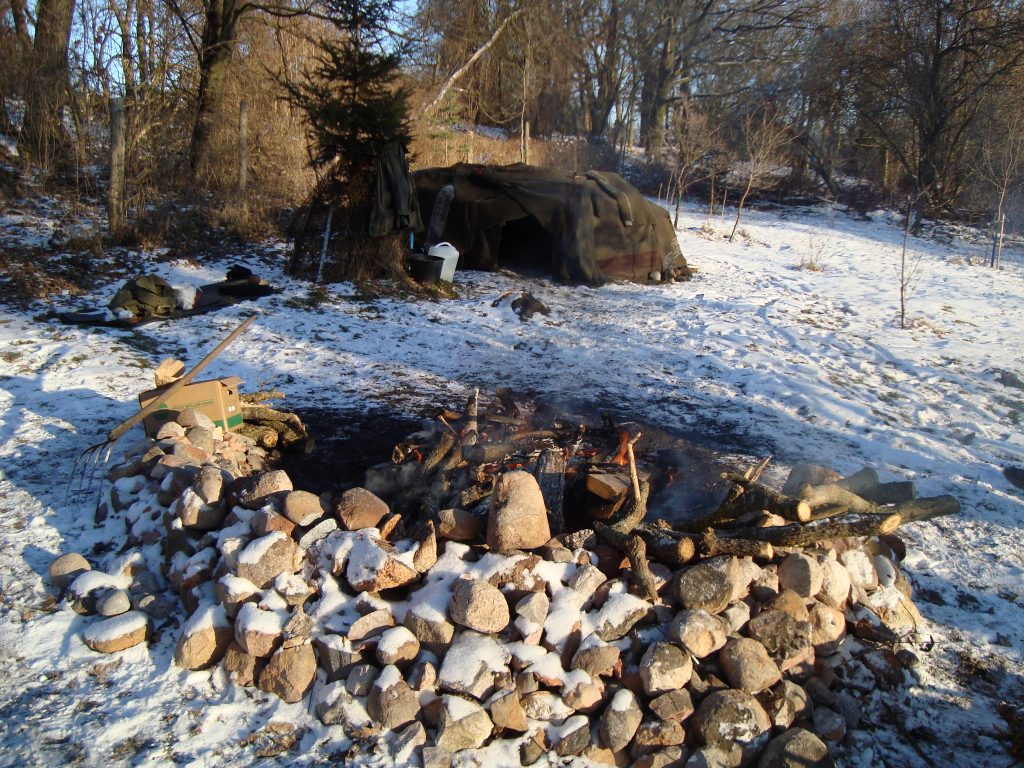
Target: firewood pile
[497,587]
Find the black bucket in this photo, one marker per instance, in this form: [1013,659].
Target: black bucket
[425,268]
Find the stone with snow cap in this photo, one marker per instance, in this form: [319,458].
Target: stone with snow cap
[391,702]
[572,736]
[618,615]
[204,639]
[478,605]
[118,632]
[463,724]
[397,646]
[373,565]
[267,557]
[470,665]
[620,720]
[258,632]
[517,517]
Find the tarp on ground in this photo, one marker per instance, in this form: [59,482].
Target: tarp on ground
[589,228]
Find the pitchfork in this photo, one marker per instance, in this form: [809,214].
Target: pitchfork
[87,464]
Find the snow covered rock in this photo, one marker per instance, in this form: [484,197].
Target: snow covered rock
[266,520]
[66,568]
[397,646]
[204,639]
[531,612]
[430,627]
[266,558]
[620,720]
[232,591]
[373,566]
[517,518]
[391,702]
[118,632]
[463,724]
[747,665]
[470,665]
[358,508]
[290,673]
[258,632]
[835,583]
[371,624]
[663,668]
[478,605]
[196,514]
[254,491]
[88,586]
[699,632]
[572,736]
[861,568]
[618,615]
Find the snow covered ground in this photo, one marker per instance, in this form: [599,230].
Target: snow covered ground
[786,343]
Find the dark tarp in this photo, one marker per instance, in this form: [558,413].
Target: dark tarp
[588,228]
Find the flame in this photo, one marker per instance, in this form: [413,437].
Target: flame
[620,457]
[417,455]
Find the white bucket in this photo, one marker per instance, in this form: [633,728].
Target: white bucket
[450,254]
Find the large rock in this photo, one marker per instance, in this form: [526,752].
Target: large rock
[204,639]
[802,574]
[336,656]
[66,568]
[507,712]
[463,724]
[699,632]
[664,667]
[861,568]
[197,514]
[258,632]
[358,508]
[705,587]
[835,583]
[517,518]
[267,557]
[397,646]
[373,565]
[303,507]
[254,491]
[113,602]
[748,666]
[731,717]
[478,605]
[209,484]
[290,673]
[459,525]
[431,628]
[531,612]
[471,663]
[118,632]
[391,702]
[796,748]
[653,735]
[620,720]
[572,736]
[596,660]
[673,706]
[618,615]
[828,627]
[782,636]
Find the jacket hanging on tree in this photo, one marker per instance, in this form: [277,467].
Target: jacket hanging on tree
[395,205]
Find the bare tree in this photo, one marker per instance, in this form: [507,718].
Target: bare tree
[1001,164]
[43,133]
[763,138]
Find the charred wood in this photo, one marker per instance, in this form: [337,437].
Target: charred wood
[550,474]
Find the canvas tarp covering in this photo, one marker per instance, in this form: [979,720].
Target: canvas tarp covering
[591,227]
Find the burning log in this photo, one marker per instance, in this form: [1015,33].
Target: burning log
[754,497]
[550,474]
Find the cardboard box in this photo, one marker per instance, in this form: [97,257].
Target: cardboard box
[217,398]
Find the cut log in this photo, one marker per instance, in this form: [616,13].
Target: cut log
[840,527]
[265,437]
[667,546]
[917,510]
[470,435]
[550,474]
[487,453]
[633,547]
[436,454]
[606,486]
[760,497]
[253,398]
[891,493]
[860,482]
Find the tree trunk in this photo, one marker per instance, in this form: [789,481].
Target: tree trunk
[42,130]
[217,45]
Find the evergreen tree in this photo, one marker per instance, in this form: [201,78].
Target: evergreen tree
[354,106]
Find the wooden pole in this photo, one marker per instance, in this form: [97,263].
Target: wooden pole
[243,148]
[115,198]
